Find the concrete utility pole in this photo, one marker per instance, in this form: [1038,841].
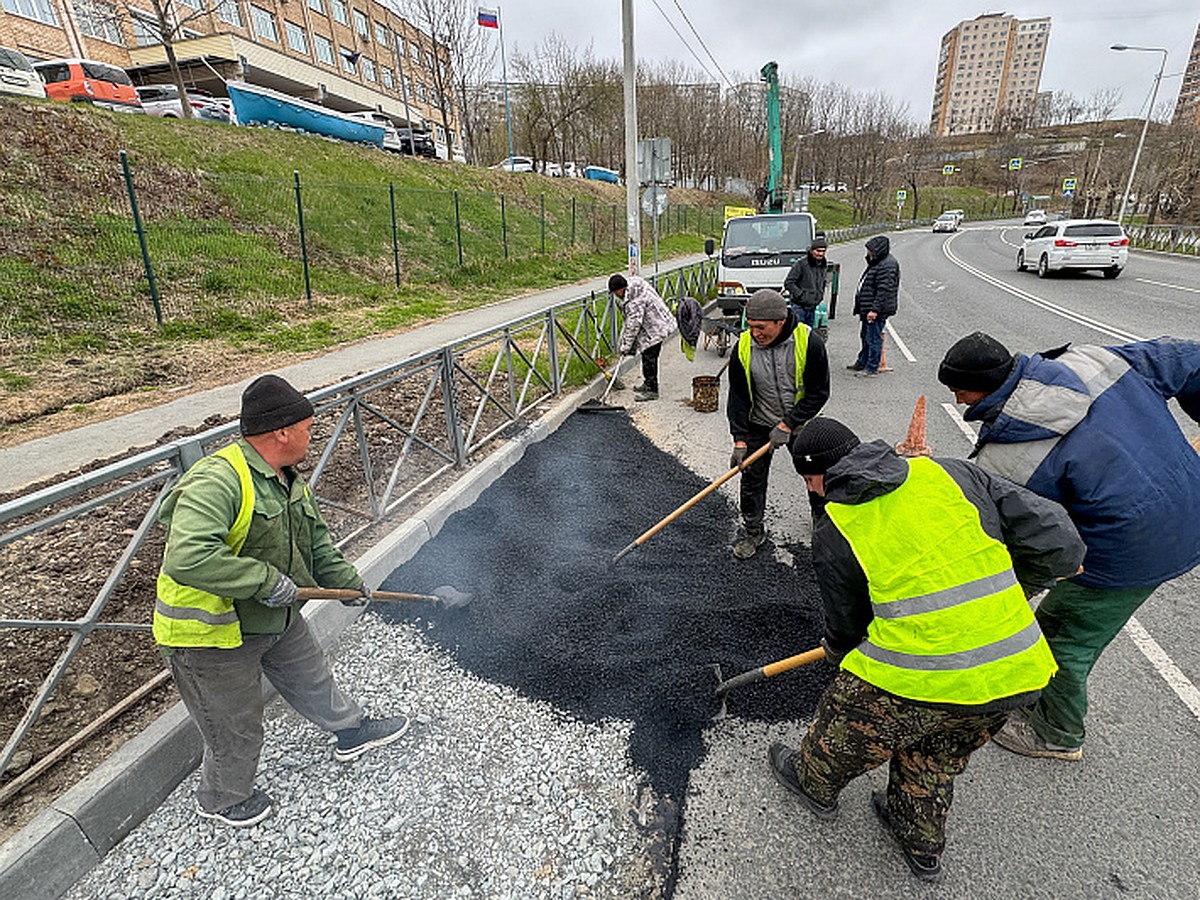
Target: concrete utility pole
[633,217]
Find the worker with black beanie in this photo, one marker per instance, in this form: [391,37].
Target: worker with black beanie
[923,567]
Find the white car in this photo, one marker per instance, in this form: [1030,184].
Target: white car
[945,222]
[17,75]
[516,164]
[1035,217]
[163,100]
[1075,244]
[957,213]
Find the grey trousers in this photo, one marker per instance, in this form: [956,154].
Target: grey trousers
[223,693]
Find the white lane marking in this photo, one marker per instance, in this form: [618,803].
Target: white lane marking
[1165,666]
[1007,241]
[952,412]
[1062,311]
[1178,287]
[899,343]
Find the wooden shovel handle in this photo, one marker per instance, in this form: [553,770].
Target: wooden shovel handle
[310,593]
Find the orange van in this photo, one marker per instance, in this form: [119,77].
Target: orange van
[89,81]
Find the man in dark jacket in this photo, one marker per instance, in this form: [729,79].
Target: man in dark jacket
[778,380]
[805,283]
[1089,427]
[874,302]
[923,566]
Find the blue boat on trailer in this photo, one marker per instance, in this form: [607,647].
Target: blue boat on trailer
[257,105]
[600,173]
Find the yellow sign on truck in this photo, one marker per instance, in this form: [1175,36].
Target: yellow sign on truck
[732,211]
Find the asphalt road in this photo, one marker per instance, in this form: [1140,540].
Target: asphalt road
[1121,822]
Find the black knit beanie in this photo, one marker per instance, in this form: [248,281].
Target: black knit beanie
[616,283]
[819,443]
[977,362]
[269,403]
[819,243]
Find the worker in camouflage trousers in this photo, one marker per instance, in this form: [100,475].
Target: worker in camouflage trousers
[924,566]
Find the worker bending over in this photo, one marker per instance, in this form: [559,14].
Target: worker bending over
[243,531]
[778,380]
[923,567]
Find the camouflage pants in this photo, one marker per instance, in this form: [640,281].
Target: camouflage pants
[859,727]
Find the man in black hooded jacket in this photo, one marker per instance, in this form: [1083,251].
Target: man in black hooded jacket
[874,302]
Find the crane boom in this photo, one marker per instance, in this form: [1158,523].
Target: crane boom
[776,193]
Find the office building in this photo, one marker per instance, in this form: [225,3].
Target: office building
[988,74]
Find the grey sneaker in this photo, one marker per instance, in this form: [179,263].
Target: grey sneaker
[244,813]
[1018,736]
[640,396]
[783,766]
[354,742]
[747,545]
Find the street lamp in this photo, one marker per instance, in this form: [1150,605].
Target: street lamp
[796,158]
[1137,155]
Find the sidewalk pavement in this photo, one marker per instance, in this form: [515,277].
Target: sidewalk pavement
[45,457]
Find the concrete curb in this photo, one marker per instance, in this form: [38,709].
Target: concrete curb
[49,855]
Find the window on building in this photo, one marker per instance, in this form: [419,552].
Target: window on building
[421,95]
[229,11]
[96,19]
[36,9]
[341,12]
[324,49]
[386,77]
[382,35]
[368,67]
[414,52]
[347,66]
[263,21]
[145,28]
[295,37]
[317,6]
[360,25]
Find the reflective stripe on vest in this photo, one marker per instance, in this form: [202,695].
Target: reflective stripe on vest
[951,623]
[189,617]
[801,350]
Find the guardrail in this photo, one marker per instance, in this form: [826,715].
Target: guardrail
[1166,238]
[380,440]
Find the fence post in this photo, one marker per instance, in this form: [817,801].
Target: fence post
[458,229]
[395,241]
[552,352]
[450,403]
[614,228]
[303,239]
[572,223]
[141,234]
[504,226]
[543,196]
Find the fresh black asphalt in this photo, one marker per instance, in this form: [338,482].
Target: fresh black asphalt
[557,619]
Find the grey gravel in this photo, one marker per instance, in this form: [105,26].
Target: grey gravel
[490,795]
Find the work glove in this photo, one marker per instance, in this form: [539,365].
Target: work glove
[284,593]
[832,656]
[363,598]
[780,435]
[737,457]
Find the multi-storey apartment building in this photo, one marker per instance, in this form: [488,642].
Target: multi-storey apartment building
[1187,107]
[346,54]
[988,74]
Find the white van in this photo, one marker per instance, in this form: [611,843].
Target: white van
[391,137]
[17,75]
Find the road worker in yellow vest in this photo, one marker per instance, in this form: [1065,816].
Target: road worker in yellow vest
[924,568]
[243,534]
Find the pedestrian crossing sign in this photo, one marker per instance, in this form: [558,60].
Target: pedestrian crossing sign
[1069,184]
[1014,164]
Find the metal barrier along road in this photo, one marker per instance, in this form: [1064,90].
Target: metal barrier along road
[79,557]
[1168,238]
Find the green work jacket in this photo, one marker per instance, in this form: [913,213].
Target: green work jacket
[951,624]
[213,576]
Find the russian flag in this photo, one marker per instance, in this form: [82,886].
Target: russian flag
[489,18]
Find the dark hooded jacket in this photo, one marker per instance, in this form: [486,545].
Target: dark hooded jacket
[805,282]
[879,289]
[1038,533]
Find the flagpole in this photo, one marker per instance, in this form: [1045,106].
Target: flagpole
[504,76]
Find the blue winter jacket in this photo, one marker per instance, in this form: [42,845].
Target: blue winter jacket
[1089,427]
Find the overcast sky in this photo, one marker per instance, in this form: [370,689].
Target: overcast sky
[878,45]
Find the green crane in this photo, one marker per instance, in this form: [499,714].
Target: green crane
[776,193]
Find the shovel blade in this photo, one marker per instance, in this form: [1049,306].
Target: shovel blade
[452,598]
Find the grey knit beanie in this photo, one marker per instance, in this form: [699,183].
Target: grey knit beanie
[766,305]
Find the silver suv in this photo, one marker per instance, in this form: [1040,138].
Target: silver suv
[163,100]
[1075,244]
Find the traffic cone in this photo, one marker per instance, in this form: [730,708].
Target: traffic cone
[914,444]
[883,366]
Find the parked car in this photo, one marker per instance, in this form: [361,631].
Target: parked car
[945,222]
[417,142]
[163,100]
[1035,217]
[88,81]
[391,137]
[515,164]
[1075,244]
[17,75]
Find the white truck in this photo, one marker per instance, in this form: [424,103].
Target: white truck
[757,251]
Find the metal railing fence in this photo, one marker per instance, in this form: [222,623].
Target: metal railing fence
[380,441]
[1184,239]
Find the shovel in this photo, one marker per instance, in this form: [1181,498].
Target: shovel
[650,532]
[762,673]
[445,595]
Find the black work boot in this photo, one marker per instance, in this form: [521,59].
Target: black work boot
[783,761]
[747,545]
[925,866]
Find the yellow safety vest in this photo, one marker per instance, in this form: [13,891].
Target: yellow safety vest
[189,617]
[800,343]
[951,623]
